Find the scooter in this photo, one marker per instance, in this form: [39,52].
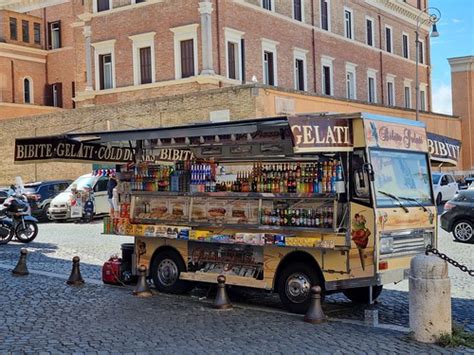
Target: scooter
[16,215]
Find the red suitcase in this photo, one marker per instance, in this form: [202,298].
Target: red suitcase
[111,271]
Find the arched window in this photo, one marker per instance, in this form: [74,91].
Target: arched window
[28,91]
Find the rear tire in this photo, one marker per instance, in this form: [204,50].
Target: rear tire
[165,270]
[361,294]
[8,238]
[294,286]
[463,231]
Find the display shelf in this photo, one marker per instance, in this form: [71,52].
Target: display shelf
[249,195]
[260,227]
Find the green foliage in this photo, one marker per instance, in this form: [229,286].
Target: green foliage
[459,337]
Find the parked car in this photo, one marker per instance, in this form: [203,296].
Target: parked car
[458,216]
[3,195]
[444,187]
[40,195]
[60,208]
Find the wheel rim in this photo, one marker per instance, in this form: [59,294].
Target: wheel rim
[463,231]
[27,232]
[297,287]
[167,272]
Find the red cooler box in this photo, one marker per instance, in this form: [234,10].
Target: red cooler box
[111,271]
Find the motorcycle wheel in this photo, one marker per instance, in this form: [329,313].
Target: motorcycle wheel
[5,240]
[27,234]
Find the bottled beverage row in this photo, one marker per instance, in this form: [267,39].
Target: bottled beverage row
[316,178]
[299,217]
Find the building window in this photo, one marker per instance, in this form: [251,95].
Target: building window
[405,45]
[27,91]
[390,90]
[234,54]
[13,29]
[369,24]
[326,75]
[300,73]
[298,10]
[105,71]
[421,52]
[269,62]
[325,17]
[25,28]
[103,5]
[143,53]
[37,32]
[185,51]
[54,35]
[423,97]
[407,96]
[268,5]
[388,39]
[348,25]
[57,94]
[372,86]
[351,81]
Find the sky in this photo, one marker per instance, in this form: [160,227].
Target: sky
[456,39]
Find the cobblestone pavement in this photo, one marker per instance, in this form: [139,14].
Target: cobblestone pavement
[95,317]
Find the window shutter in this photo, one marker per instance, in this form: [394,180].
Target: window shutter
[187,58]
[242,60]
[48,95]
[324,14]
[231,56]
[59,90]
[271,78]
[101,72]
[49,39]
[59,34]
[145,65]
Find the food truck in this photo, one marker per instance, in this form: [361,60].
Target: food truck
[343,201]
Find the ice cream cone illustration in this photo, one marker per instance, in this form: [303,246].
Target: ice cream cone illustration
[360,236]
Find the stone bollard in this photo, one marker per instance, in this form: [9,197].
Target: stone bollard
[222,300]
[430,298]
[75,278]
[142,289]
[21,269]
[315,314]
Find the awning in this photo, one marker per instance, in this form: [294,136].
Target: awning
[443,150]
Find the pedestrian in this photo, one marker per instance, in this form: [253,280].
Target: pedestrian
[89,204]
[111,184]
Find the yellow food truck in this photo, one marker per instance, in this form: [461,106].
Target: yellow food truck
[343,201]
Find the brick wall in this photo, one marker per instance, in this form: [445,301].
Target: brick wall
[172,110]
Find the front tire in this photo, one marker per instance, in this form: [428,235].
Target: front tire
[45,215]
[362,294]
[294,286]
[439,199]
[165,270]
[28,233]
[463,231]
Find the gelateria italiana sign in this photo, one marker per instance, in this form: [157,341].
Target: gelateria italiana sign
[63,149]
[320,134]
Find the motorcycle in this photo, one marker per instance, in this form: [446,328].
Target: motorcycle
[15,217]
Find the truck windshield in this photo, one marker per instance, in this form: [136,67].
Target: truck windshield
[402,174]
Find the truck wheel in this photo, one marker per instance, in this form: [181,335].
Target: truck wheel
[294,286]
[439,199]
[463,231]
[361,294]
[165,269]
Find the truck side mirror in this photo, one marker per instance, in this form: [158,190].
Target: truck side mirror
[367,167]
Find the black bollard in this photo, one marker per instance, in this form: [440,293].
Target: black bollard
[315,311]
[21,269]
[75,278]
[222,300]
[142,289]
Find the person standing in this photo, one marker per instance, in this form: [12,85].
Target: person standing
[111,184]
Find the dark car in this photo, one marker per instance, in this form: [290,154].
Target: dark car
[458,216]
[3,195]
[40,195]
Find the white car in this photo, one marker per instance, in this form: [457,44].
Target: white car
[60,207]
[444,187]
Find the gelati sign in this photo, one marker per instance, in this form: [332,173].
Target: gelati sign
[443,149]
[319,134]
[64,149]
